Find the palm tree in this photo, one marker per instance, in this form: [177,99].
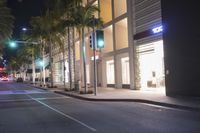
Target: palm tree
[31,51]
[63,9]
[47,27]
[13,65]
[19,61]
[6,21]
[83,18]
[23,61]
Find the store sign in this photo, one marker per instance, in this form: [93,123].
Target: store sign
[148,32]
[157,29]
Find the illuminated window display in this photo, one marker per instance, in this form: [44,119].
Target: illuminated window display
[110,72]
[106,10]
[121,33]
[151,65]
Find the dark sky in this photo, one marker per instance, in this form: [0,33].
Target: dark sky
[22,10]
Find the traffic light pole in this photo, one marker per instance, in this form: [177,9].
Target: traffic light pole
[25,42]
[94,61]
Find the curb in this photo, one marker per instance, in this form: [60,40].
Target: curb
[175,106]
[169,105]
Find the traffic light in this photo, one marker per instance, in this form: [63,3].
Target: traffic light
[100,38]
[91,40]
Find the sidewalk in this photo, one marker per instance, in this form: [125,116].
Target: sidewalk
[127,95]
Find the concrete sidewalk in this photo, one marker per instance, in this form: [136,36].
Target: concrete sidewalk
[127,95]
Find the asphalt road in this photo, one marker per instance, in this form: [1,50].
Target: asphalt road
[24,109]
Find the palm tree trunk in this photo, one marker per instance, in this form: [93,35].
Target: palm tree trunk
[84,59]
[33,67]
[69,58]
[64,67]
[51,63]
[43,68]
[24,73]
[74,59]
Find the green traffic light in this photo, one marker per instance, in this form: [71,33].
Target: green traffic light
[100,44]
[100,38]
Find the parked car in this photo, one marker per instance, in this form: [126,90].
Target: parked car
[4,78]
[19,80]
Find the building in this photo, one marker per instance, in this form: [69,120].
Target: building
[126,30]
[149,46]
[133,54]
[181,38]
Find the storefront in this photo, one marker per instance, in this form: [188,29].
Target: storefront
[151,66]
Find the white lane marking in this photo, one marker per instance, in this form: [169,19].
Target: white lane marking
[52,98]
[24,100]
[67,116]
[163,107]
[20,100]
[15,92]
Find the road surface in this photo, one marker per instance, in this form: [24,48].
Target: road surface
[24,109]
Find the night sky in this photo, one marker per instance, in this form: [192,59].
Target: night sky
[22,10]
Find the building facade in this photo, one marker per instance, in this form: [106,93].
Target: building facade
[132,57]
[133,53]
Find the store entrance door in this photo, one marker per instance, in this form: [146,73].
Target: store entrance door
[151,65]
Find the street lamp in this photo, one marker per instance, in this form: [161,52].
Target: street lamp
[13,44]
[24,29]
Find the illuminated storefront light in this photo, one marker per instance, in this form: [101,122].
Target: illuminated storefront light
[157,29]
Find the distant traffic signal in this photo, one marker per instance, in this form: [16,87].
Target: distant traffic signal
[100,38]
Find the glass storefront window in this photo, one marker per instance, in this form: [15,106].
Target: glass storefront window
[88,73]
[106,10]
[66,72]
[110,73]
[125,70]
[58,72]
[108,40]
[120,7]
[121,34]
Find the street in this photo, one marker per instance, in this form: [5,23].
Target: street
[24,109]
